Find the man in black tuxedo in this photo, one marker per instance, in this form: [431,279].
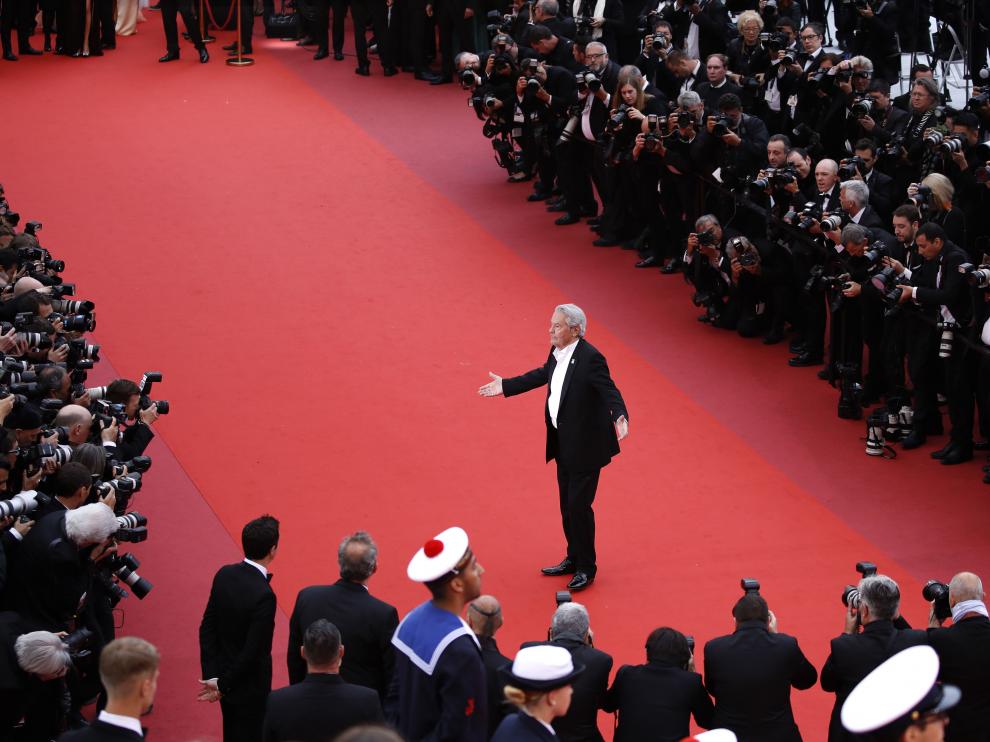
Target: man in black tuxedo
[365,622]
[585,418]
[656,700]
[129,671]
[171,8]
[964,653]
[881,185]
[235,635]
[322,705]
[856,653]
[484,616]
[570,628]
[750,674]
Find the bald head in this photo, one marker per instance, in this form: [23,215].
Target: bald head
[965,586]
[73,414]
[484,615]
[27,284]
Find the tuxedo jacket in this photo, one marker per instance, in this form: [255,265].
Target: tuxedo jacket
[750,673]
[235,635]
[655,702]
[871,220]
[366,627]
[100,731]
[952,291]
[964,655]
[853,657]
[318,709]
[521,727]
[590,403]
[495,661]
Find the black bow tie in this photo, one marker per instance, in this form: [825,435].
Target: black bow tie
[823,195]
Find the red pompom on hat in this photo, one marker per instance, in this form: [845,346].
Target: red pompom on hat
[438,556]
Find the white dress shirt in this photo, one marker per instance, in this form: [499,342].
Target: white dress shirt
[126,722]
[563,356]
[258,567]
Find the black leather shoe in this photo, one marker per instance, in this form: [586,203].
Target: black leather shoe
[915,439]
[363,70]
[826,374]
[230,47]
[944,450]
[169,57]
[321,54]
[425,75]
[389,71]
[557,208]
[30,52]
[204,56]
[797,346]
[648,262]
[805,359]
[957,455]
[10,56]
[986,479]
[304,41]
[672,267]
[338,56]
[442,80]
[568,218]
[244,52]
[773,337]
[566,567]
[537,196]
[580,581]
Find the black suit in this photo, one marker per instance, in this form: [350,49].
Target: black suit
[100,731]
[521,727]
[318,709]
[854,656]
[580,723]
[169,10]
[964,653]
[881,194]
[750,674]
[655,701]
[494,661]
[583,441]
[235,643]
[366,627]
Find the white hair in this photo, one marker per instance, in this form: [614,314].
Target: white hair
[857,190]
[90,524]
[575,317]
[688,99]
[41,653]
[570,618]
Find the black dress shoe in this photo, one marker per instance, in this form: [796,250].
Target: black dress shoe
[647,262]
[957,455]
[557,208]
[565,567]
[773,337]
[827,374]
[169,57]
[944,450]
[805,359]
[363,70]
[321,54]
[10,56]
[569,217]
[29,51]
[425,75]
[915,439]
[204,56]
[389,71]
[537,196]
[408,68]
[580,581]
[109,46]
[230,47]
[442,80]
[243,52]
[304,41]
[338,56]
[797,346]
[672,267]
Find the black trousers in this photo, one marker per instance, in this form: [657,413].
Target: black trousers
[247,22]
[579,164]
[169,9]
[242,722]
[102,28]
[414,25]
[375,11]
[577,494]
[19,15]
[321,23]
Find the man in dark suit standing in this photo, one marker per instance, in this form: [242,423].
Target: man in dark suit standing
[235,635]
[750,674]
[322,705]
[855,654]
[585,418]
[964,655]
[484,616]
[129,671]
[365,622]
[570,628]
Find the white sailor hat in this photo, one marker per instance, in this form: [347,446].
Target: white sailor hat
[439,556]
[541,667]
[713,735]
[898,693]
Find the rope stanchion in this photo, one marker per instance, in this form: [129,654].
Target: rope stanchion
[209,12]
[240,60]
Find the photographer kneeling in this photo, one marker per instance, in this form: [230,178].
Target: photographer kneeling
[33,667]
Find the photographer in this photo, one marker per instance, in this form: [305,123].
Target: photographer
[138,435]
[964,653]
[869,637]
[885,122]
[33,667]
[940,294]
[656,700]
[737,141]
[862,167]
[652,60]
[933,197]
[700,26]
[707,269]
[750,293]
[912,158]
[545,13]
[717,83]
[553,50]
[841,90]
[963,157]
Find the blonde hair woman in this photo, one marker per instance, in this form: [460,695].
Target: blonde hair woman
[538,683]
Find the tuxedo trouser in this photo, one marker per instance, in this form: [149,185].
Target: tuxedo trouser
[102,28]
[363,11]
[924,366]
[577,494]
[243,722]
[169,10]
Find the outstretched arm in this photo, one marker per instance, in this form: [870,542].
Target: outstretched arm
[517,384]
[493,388]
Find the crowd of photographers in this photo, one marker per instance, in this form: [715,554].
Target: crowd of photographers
[71,461]
[783,180]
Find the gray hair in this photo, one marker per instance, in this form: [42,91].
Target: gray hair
[90,524]
[855,234]
[549,7]
[570,618]
[91,456]
[707,219]
[857,190]
[596,43]
[41,653]
[688,99]
[881,595]
[930,86]
[357,565]
[575,317]
[861,63]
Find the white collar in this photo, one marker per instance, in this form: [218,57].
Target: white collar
[127,722]
[257,566]
[567,350]
[716,87]
[858,215]
[697,67]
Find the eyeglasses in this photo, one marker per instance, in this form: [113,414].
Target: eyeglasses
[594,56]
[809,36]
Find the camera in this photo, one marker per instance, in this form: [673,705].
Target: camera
[886,283]
[861,107]
[468,78]
[922,198]
[938,593]
[131,528]
[124,568]
[748,258]
[976,276]
[749,585]
[617,119]
[589,81]
[774,42]
[721,126]
[946,338]
[876,252]
[660,43]
[79,644]
[562,596]
[22,503]
[775,177]
[532,85]
[850,166]
[850,594]
[705,239]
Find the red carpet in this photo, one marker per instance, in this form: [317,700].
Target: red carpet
[325,267]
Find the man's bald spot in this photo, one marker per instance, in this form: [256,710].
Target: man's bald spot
[831,165]
[27,284]
[486,605]
[965,586]
[73,414]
